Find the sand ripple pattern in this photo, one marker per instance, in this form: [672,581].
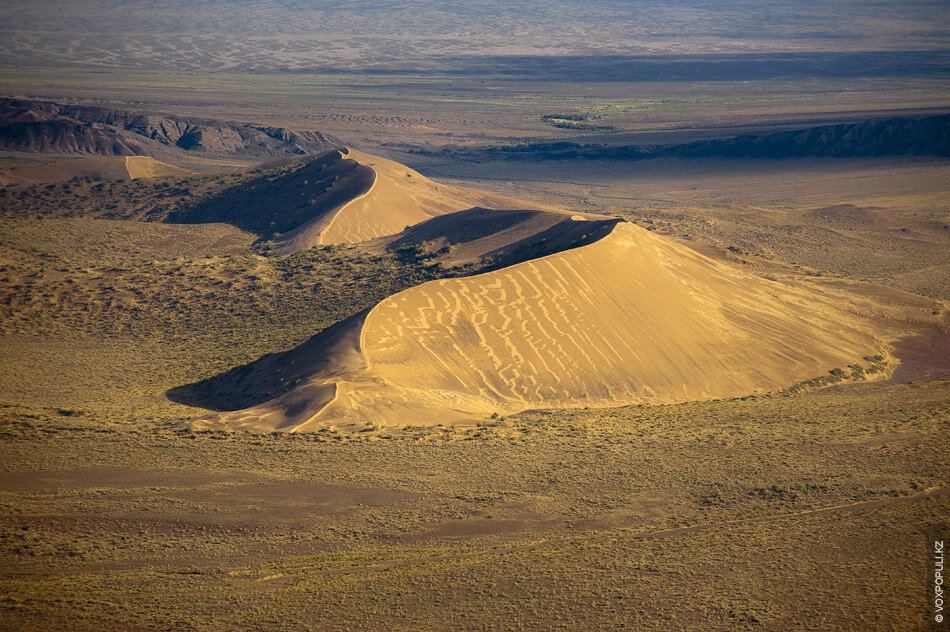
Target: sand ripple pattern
[628,319]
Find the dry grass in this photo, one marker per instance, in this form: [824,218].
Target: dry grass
[145,526]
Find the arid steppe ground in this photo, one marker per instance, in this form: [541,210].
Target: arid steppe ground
[812,507]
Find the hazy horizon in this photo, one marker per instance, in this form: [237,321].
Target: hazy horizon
[273,36]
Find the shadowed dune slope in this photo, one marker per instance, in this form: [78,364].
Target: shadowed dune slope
[301,197]
[631,318]
[107,168]
[279,389]
[506,236]
[398,198]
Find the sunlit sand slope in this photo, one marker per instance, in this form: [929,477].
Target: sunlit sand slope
[630,318]
[398,198]
[108,168]
[145,167]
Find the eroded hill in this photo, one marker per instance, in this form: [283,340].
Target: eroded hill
[43,127]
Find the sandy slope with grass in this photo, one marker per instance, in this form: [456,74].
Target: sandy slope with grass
[145,167]
[107,168]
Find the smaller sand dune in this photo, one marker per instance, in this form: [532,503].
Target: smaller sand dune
[290,205]
[398,198]
[106,168]
[346,196]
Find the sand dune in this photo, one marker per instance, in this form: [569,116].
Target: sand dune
[346,196]
[398,198]
[107,168]
[631,318]
[290,203]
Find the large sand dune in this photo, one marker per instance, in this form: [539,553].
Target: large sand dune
[631,318]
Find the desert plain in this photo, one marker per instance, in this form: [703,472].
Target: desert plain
[525,318]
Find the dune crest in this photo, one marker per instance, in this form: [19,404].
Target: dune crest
[630,318]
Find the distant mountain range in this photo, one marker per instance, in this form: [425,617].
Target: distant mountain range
[923,136]
[56,128]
